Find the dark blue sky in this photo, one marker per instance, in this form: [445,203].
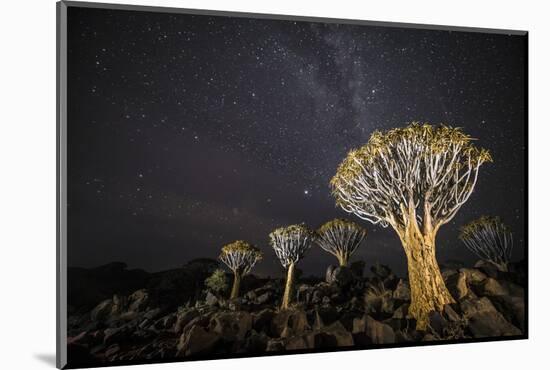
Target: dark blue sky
[188,132]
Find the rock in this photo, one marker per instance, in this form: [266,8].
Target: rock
[447,272]
[450,314]
[339,334]
[473,276]
[512,308]
[457,285]
[261,321]
[275,345]
[484,320]
[113,349]
[231,326]
[113,335]
[197,341]
[401,312]
[327,315]
[255,342]
[437,323]
[211,299]
[153,313]
[265,298]
[402,291]
[120,303]
[183,318]
[491,287]
[381,271]
[299,342]
[289,323]
[342,276]
[487,268]
[379,333]
[102,311]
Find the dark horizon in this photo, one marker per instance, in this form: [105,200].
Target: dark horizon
[188,132]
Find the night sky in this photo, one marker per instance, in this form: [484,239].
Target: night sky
[188,132]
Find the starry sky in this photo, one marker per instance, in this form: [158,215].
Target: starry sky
[186,132]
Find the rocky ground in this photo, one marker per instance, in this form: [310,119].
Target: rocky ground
[174,317]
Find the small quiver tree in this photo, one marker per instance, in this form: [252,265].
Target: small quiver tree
[340,238]
[414,179]
[290,244]
[490,240]
[240,257]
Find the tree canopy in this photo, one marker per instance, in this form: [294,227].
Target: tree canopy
[419,172]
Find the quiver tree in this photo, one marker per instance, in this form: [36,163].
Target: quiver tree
[290,243]
[414,179]
[490,240]
[340,238]
[240,257]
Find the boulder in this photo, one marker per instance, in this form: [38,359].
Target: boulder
[484,320]
[114,335]
[261,321]
[256,342]
[183,317]
[102,311]
[231,326]
[197,341]
[379,333]
[491,287]
[512,308]
[338,334]
[211,299]
[342,276]
[473,276]
[289,323]
[457,285]
[275,345]
[265,298]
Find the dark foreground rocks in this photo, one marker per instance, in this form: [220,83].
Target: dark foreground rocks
[345,310]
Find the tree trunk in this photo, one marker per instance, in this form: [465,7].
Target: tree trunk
[428,290]
[236,285]
[343,260]
[288,287]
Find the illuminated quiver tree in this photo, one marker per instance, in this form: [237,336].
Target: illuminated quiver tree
[340,238]
[240,257]
[290,244]
[414,179]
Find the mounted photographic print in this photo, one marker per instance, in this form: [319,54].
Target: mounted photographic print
[235,185]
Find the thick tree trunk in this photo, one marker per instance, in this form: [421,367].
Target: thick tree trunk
[236,285]
[428,290]
[288,287]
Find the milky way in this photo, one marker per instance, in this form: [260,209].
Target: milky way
[188,132]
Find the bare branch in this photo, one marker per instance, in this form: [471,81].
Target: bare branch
[419,173]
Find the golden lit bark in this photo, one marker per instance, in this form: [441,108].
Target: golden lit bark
[428,290]
[288,287]
[236,285]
